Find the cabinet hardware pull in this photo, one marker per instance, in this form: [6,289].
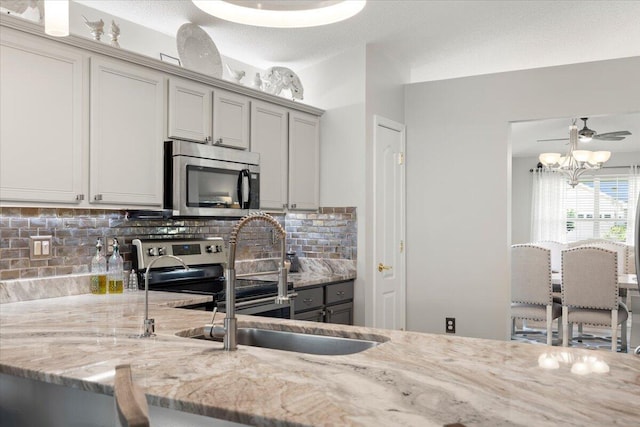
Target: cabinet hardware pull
[307,300]
[98,197]
[218,141]
[340,293]
[79,197]
[382,267]
[284,206]
[207,139]
[293,206]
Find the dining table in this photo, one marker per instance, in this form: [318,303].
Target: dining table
[626,283]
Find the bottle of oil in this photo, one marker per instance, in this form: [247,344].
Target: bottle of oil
[115,274]
[98,271]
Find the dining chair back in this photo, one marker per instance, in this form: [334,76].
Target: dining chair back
[590,291]
[531,287]
[131,404]
[556,249]
[620,249]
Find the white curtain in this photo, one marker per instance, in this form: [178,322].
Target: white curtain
[548,218]
[632,202]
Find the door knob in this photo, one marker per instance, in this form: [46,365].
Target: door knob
[382,267]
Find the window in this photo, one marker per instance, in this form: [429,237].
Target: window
[597,208]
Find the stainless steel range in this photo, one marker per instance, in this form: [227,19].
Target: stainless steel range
[206,259]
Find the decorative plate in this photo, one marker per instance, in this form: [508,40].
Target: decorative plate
[197,51]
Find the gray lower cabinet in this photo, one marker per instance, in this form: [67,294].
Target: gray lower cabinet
[331,303]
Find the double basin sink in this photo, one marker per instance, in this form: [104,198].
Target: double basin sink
[300,342]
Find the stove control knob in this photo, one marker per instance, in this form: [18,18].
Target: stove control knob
[209,249]
[152,251]
[161,251]
[218,249]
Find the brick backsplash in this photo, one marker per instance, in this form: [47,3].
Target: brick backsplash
[330,233]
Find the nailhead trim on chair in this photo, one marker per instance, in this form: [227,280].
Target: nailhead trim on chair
[548,270]
[615,254]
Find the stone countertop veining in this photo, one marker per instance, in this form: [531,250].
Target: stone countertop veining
[313,271]
[412,379]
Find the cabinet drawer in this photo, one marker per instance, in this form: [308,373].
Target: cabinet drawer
[339,292]
[308,299]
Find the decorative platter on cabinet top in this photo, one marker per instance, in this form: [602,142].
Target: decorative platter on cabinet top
[197,51]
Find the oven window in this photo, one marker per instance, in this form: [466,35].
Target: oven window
[212,188]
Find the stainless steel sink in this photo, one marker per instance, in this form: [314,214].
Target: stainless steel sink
[299,342]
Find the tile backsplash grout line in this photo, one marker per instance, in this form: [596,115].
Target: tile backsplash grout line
[328,233]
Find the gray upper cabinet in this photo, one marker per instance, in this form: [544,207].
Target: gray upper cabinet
[304,164]
[126,118]
[289,146]
[230,119]
[269,137]
[201,113]
[41,120]
[189,111]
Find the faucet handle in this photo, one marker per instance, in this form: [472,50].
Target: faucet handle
[213,317]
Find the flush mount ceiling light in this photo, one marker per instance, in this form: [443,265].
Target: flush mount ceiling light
[282,13]
[56,17]
[575,162]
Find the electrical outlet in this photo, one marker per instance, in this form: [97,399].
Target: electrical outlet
[450,325]
[40,247]
[107,243]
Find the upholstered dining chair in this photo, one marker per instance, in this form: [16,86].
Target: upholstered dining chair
[620,248]
[556,249]
[531,288]
[590,292]
[131,404]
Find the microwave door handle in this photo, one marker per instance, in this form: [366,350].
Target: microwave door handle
[244,188]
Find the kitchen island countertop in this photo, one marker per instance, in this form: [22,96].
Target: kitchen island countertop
[411,379]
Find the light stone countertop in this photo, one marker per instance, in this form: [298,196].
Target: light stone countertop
[412,379]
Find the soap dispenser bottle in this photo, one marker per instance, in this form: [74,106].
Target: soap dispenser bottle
[98,271]
[115,273]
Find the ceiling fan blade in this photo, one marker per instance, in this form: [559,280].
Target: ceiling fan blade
[617,133]
[609,138]
[554,139]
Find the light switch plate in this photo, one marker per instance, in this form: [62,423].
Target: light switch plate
[40,247]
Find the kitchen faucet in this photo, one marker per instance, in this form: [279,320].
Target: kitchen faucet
[230,328]
[149,324]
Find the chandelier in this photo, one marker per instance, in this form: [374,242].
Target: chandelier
[575,162]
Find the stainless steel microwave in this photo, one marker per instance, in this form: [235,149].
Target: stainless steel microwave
[207,181]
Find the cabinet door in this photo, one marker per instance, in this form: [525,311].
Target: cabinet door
[41,120]
[190,113]
[311,316]
[341,314]
[304,161]
[127,105]
[269,137]
[230,120]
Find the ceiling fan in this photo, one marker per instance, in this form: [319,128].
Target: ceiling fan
[585,134]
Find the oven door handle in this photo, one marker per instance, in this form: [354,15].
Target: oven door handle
[244,189]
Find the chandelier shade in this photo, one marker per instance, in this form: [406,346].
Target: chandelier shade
[575,162]
[56,18]
[282,13]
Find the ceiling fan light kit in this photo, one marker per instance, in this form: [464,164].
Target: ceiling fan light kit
[282,13]
[56,18]
[575,162]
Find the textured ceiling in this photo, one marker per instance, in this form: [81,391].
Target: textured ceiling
[434,39]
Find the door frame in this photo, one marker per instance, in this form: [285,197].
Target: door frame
[379,121]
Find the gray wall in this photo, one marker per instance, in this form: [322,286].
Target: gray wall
[459,181]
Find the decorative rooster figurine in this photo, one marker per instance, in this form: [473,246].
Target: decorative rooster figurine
[236,75]
[115,32]
[95,27]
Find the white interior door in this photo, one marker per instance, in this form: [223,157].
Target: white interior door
[389,282]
